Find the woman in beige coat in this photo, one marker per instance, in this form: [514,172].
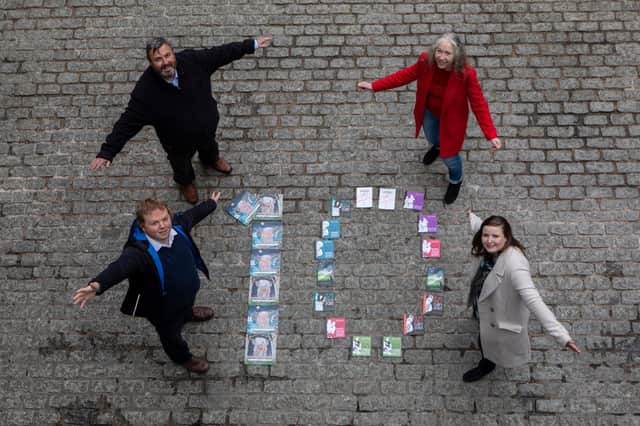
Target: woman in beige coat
[502,294]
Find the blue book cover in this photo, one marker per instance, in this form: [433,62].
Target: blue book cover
[264,262]
[330,229]
[262,318]
[260,348]
[243,208]
[324,249]
[266,234]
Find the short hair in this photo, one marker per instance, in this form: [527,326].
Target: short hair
[155,44]
[147,206]
[477,248]
[459,53]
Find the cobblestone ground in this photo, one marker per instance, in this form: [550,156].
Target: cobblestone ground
[562,81]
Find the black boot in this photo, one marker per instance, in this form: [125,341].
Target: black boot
[431,156]
[452,192]
[484,367]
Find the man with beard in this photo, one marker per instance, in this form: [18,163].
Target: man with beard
[174,96]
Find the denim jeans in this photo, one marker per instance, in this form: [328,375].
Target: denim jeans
[431,127]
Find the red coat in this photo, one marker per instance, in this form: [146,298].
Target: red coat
[462,90]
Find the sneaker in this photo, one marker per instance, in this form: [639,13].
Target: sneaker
[484,367]
[190,193]
[452,192]
[431,156]
[196,365]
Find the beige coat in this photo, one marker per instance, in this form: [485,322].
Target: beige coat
[508,296]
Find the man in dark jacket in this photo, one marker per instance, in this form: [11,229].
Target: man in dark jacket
[161,261]
[174,96]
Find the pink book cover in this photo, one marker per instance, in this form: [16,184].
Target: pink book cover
[430,248]
[336,328]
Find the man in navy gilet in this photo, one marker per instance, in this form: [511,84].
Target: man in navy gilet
[161,261]
[174,96]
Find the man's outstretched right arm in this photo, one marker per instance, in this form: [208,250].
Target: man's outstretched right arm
[132,120]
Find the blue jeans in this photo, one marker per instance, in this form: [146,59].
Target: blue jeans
[431,127]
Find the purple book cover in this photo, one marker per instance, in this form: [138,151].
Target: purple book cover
[428,223]
[414,200]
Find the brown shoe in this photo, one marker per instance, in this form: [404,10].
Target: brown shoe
[197,365]
[201,313]
[190,193]
[222,166]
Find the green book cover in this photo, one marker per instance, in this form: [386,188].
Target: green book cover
[391,346]
[361,346]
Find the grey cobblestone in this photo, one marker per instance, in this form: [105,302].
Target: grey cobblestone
[562,82]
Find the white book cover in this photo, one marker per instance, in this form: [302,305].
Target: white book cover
[387,199]
[364,197]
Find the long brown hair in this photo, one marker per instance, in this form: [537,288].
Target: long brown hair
[477,249]
[459,53]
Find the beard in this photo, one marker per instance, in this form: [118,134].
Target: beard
[168,72]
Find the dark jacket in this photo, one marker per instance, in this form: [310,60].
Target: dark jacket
[183,118]
[138,265]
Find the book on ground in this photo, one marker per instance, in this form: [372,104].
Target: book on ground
[260,348]
[414,200]
[264,289]
[430,248]
[264,262]
[266,234]
[364,197]
[270,206]
[243,207]
[331,229]
[391,346]
[428,223]
[340,208]
[326,273]
[387,199]
[433,303]
[361,346]
[324,249]
[262,318]
[324,301]
[336,328]
[413,324]
[435,278]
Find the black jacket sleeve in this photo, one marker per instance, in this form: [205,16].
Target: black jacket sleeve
[132,120]
[193,216]
[215,57]
[129,263]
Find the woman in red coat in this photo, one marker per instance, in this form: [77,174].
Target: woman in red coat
[447,85]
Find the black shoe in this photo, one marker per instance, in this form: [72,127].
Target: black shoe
[431,156]
[452,192]
[484,367]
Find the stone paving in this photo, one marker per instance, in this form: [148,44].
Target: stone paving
[562,81]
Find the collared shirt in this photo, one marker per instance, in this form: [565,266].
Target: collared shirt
[157,245]
[175,80]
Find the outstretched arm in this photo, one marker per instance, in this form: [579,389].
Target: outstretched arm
[85,294]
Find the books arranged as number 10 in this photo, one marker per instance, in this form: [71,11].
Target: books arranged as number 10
[260,348]
[435,278]
[324,301]
[413,324]
[387,199]
[262,318]
[364,197]
[264,289]
[433,303]
[340,208]
[264,262]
